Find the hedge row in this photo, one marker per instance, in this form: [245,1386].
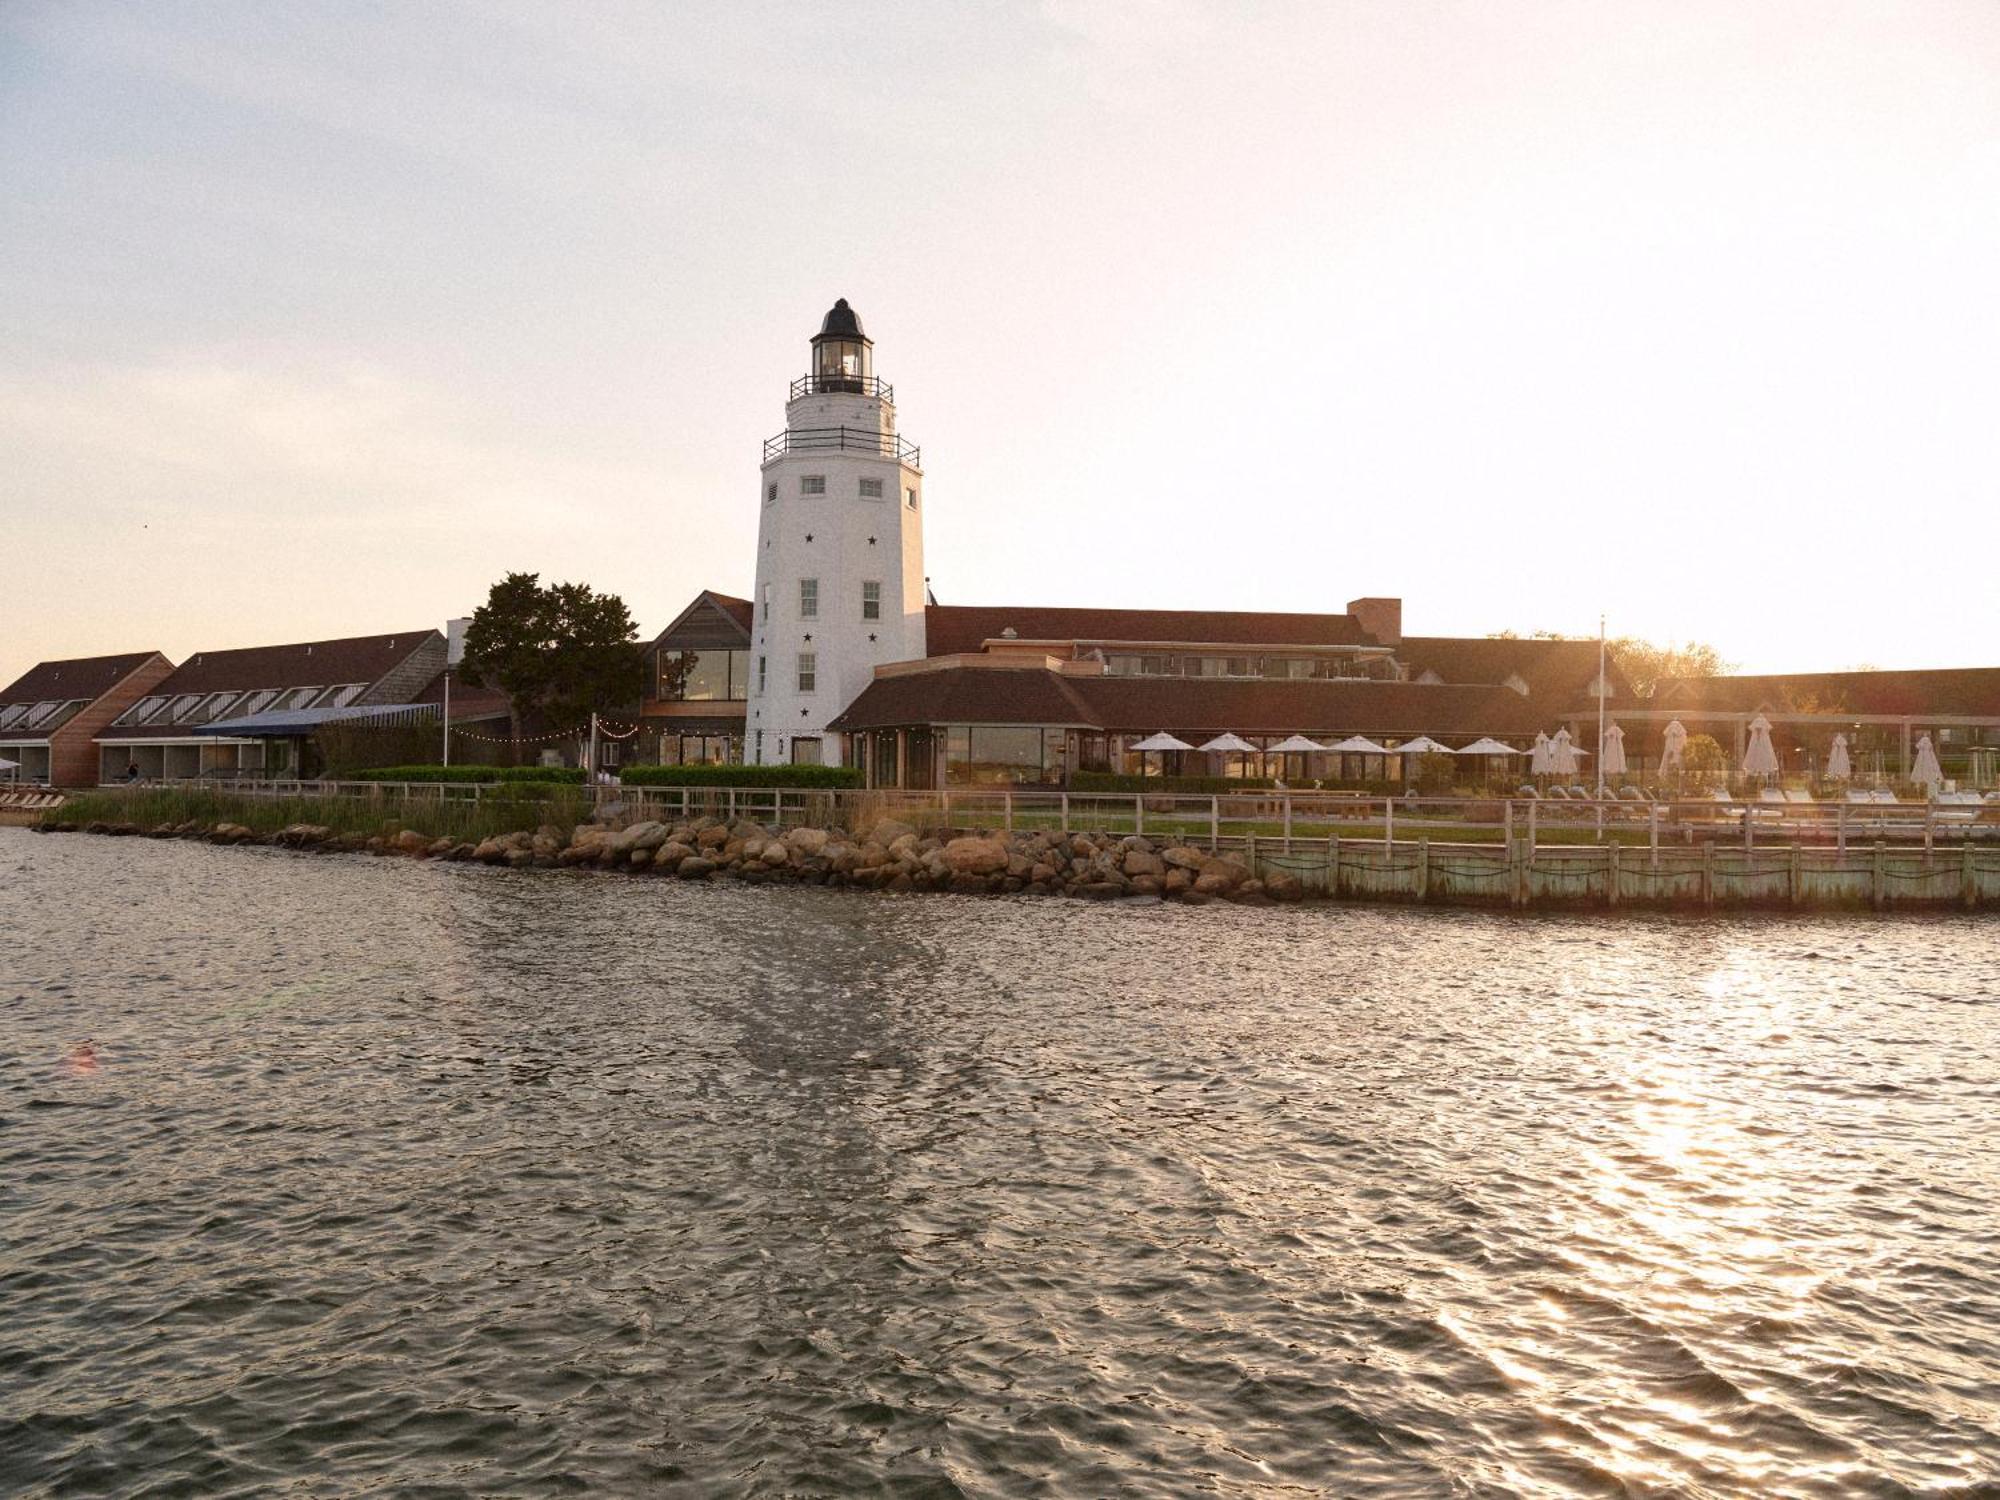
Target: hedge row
[764,776]
[1108,781]
[558,775]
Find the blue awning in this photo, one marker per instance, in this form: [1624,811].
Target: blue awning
[302,721]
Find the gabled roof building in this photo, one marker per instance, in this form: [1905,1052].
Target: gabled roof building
[49,715]
[250,709]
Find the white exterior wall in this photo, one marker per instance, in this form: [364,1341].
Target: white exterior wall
[841,556]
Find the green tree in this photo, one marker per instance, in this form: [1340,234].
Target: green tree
[561,652]
[1646,664]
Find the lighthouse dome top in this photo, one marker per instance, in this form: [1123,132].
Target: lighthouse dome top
[841,322]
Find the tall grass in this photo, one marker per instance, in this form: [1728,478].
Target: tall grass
[429,814]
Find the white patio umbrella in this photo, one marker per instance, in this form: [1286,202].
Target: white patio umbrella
[1538,763]
[1487,746]
[1160,741]
[1423,744]
[1927,773]
[1229,744]
[1837,766]
[10,765]
[1672,745]
[1298,744]
[1354,744]
[1562,754]
[1614,751]
[1760,758]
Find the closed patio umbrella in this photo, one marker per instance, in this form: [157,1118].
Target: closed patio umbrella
[1761,757]
[1673,745]
[1614,751]
[1562,754]
[1838,767]
[1161,741]
[1927,773]
[1538,762]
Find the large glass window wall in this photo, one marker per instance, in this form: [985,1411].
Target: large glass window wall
[1002,755]
[704,676]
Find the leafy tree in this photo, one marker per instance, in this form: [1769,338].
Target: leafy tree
[1646,664]
[561,651]
[1702,760]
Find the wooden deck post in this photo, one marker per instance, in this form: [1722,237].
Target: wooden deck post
[1611,863]
[1288,822]
[1653,833]
[1065,812]
[1423,867]
[1795,880]
[1214,821]
[1881,893]
[1968,883]
[1708,873]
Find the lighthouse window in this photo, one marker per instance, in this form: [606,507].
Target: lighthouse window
[770,494]
[812,484]
[808,670]
[871,489]
[808,598]
[760,674]
[871,601]
[910,496]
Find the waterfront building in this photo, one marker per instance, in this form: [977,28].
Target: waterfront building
[50,715]
[698,682]
[253,710]
[1882,714]
[840,549]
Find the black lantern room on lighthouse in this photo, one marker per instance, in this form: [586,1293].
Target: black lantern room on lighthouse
[843,356]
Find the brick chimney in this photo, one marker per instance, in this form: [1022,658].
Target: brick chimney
[1381,618]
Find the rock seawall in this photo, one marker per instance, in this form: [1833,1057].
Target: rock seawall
[888,856]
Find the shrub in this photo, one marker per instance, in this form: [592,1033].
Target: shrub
[764,776]
[1110,781]
[545,775]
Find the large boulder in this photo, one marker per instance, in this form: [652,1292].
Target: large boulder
[671,853]
[714,836]
[888,831]
[1220,876]
[694,867]
[806,841]
[409,841]
[1280,886]
[975,855]
[647,836]
[1140,862]
[776,855]
[1182,857]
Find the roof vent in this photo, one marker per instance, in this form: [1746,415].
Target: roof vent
[1010,634]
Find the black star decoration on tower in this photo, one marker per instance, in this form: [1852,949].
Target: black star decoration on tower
[871,541]
[808,635]
[809,536]
[871,635]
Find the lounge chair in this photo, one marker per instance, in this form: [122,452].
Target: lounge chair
[1799,796]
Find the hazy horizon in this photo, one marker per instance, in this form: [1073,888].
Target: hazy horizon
[319,320]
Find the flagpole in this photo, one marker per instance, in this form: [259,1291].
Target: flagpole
[1600,707]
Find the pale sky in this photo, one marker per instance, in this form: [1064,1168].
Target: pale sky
[315,319]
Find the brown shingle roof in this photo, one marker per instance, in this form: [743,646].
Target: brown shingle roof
[962,695]
[1553,670]
[958,629]
[1970,692]
[78,677]
[360,658]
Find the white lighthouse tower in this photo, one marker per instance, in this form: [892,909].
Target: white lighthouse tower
[840,550]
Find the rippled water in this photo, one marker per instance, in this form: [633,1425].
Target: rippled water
[330,1175]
